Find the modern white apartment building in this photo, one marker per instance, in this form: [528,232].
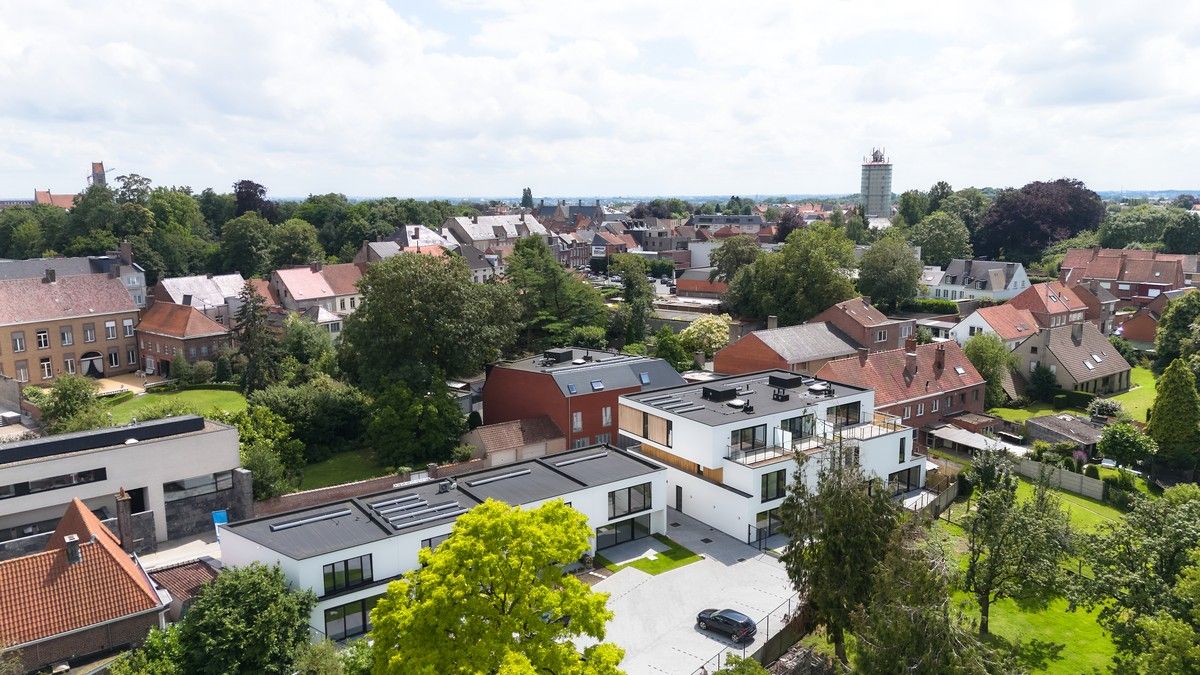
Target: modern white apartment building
[729,445]
[347,551]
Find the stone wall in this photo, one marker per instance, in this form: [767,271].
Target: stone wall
[144,540]
[194,515]
[75,647]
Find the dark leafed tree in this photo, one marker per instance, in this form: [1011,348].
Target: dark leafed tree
[1021,223]
[789,221]
[527,198]
[430,310]
[732,255]
[1014,549]
[937,194]
[256,342]
[250,196]
[838,535]
[1174,336]
[889,272]
[639,296]
[1181,234]
[554,301]
[247,245]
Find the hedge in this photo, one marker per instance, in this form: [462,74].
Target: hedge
[1074,399]
[932,305]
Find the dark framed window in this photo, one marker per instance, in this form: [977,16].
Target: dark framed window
[629,500]
[903,450]
[800,427]
[200,485]
[347,573]
[845,414]
[350,619]
[53,483]
[774,485]
[433,542]
[623,531]
[748,438]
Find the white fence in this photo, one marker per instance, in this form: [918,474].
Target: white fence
[1063,479]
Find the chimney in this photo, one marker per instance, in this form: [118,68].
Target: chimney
[541,202]
[1077,331]
[699,358]
[580,202]
[187,299]
[772,321]
[910,356]
[939,358]
[74,555]
[1046,337]
[416,234]
[49,278]
[863,353]
[315,266]
[474,219]
[597,202]
[125,520]
[522,217]
[125,249]
[866,300]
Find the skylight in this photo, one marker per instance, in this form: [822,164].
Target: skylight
[597,385]
[1089,364]
[644,377]
[571,388]
[960,370]
[1097,358]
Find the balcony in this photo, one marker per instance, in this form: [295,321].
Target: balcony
[783,445]
[881,424]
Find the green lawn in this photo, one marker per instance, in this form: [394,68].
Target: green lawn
[1140,396]
[1019,415]
[675,556]
[344,467]
[202,400]
[1086,514]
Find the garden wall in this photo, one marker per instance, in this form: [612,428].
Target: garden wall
[1061,478]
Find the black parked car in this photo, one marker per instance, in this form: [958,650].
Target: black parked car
[736,625]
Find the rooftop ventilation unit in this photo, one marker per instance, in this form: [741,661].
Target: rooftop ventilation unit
[780,394]
[719,393]
[785,381]
[558,355]
[736,403]
[446,485]
[330,515]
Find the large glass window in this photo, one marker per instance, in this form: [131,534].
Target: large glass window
[200,485]
[748,438]
[629,500]
[623,531]
[350,619]
[52,483]
[433,542]
[347,573]
[904,481]
[800,427]
[774,484]
[844,415]
[768,522]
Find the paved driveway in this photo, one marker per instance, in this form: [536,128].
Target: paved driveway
[655,616]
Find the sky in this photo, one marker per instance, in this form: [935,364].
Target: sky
[472,98]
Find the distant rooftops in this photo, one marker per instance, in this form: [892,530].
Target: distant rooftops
[407,509]
[582,371]
[741,397]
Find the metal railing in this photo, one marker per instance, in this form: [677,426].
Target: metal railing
[777,621]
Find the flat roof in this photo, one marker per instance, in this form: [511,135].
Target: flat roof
[347,523]
[109,437]
[688,401]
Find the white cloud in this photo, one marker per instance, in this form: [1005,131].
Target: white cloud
[485,97]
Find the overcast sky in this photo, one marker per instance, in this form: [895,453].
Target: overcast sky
[470,98]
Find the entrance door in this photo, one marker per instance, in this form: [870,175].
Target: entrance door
[92,364]
[679,498]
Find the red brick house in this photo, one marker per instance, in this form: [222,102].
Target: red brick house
[867,326]
[1141,327]
[168,332]
[800,349]
[1101,304]
[921,384]
[576,388]
[1132,275]
[694,283]
[1052,304]
[83,596]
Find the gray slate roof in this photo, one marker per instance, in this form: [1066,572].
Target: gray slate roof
[485,228]
[206,291]
[973,272]
[1073,427]
[807,342]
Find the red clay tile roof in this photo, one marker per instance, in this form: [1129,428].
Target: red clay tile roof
[44,595]
[342,278]
[614,239]
[263,288]
[1051,298]
[180,321]
[861,311]
[1128,265]
[184,580]
[305,284]
[884,372]
[517,433]
[1009,322]
[26,300]
[61,201]
[435,251]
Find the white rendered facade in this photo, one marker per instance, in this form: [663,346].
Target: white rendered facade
[731,482]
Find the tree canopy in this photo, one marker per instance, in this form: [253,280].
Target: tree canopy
[554,301]
[732,255]
[942,237]
[889,272]
[1175,418]
[494,596]
[422,315]
[709,334]
[1021,223]
[991,358]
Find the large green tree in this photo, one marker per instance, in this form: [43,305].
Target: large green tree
[294,242]
[72,405]
[247,620]
[246,245]
[968,205]
[913,206]
[910,626]
[1134,566]
[709,334]
[732,255]
[942,237]
[1174,336]
[408,428]
[256,341]
[639,295]
[1175,418]
[1014,549]
[991,358]
[495,596]
[1181,234]
[429,310]
[889,272]
[806,276]
[1144,223]
[554,301]
[325,414]
[669,347]
[1126,444]
[838,535]
[267,449]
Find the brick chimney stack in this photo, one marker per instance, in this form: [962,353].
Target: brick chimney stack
[863,353]
[125,520]
[910,356]
[939,357]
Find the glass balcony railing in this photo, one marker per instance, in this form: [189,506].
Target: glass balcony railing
[784,444]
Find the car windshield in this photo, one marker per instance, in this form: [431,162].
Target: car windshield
[736,617]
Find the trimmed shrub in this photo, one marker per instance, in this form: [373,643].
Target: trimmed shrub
[931,305]
[1091,471]
[1122,499]
[1077,399]
[1105,407]
[965,487]
[1060,402]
